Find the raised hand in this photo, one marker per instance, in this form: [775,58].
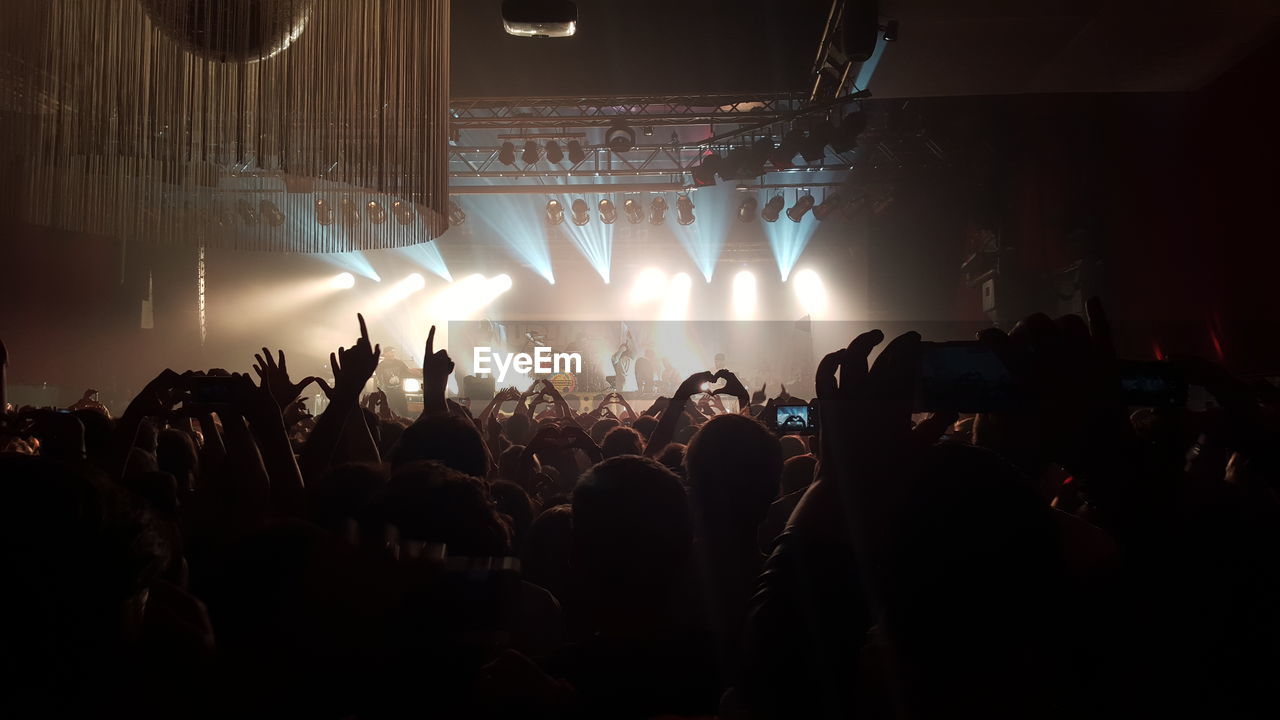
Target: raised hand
[436,368]
[692,385]
[353,366]
[275,373]
[732,386]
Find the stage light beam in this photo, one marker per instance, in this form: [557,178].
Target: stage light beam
[675,304]
[810,291]
[649,286]
[343,281]
[744,295]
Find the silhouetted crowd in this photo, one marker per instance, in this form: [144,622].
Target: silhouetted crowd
[216,551]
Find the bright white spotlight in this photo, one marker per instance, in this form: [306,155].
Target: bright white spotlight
[412,385]
[460,299]
[649,285]
[744,295]
[675,306]
[499,283]
[810,291]
[412,283]
[343,281]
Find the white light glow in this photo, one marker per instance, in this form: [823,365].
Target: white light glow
[810,291]
[744,295]
[649,286]
[675,306]
[412,385]
[343,281]
[412,283]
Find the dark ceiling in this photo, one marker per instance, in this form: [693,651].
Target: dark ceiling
[653,47]
[946,47]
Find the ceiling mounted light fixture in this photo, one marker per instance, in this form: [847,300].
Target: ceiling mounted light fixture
[658,210]
[684,209]
[608,213]
[634,210]
[581,213]
[539,18]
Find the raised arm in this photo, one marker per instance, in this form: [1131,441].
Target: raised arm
[666,428]
[352,368]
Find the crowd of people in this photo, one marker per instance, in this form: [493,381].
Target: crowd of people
[213,550]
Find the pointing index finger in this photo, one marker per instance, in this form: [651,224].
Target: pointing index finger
[364,329]
[431,341]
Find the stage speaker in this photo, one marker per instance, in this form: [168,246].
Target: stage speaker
[861,27]
[480,390]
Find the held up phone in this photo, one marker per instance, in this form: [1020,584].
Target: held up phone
[964,377]
[211,389]
[795,419]
[1152,384]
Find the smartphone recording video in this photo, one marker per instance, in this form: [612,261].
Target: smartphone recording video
[1152,384]
[211,389]
[795,420]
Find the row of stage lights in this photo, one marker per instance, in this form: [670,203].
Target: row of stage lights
[740,162]
[402,211]
[580,211]
[651,284]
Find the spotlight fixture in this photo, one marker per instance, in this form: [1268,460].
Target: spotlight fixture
[576,153]
[658,210]
[620,138]
[797,211]
[507,154]
[555,212]
[773,209]
[608,213]
[530,154]
[377,215]
[403,212]
[747,210]
[581,213]
[539,18]
[456,215]
[684,210]
[831,204]
[634,211]
[324,212]
[271,213]
[247,213]
[350,213]
[554,153]
[705,173]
